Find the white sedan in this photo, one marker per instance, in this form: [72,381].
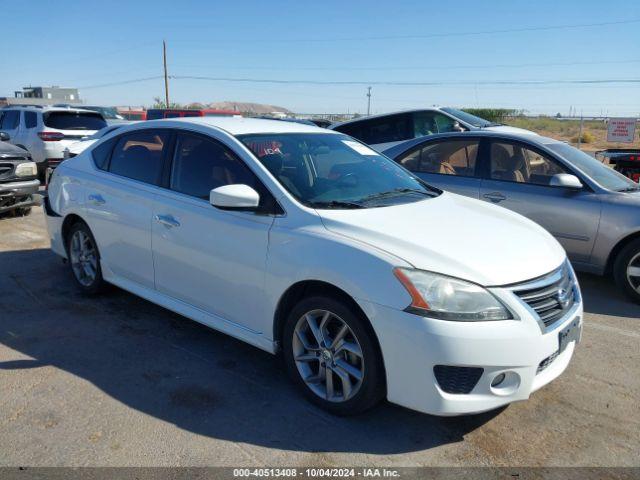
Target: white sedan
[301,240]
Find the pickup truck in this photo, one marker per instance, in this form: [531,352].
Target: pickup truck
[623,160]
[18,179]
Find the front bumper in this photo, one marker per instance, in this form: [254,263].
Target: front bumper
[412,346]
[18,194]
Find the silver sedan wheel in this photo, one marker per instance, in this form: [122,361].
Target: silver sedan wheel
[633,272]
[83,258]
[328,356]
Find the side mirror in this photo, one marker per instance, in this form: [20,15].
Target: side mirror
[4,137]
[565,180]
[234,197]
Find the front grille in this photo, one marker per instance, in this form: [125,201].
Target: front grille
[6,170]
[457,379]
[550,296]
[547,361]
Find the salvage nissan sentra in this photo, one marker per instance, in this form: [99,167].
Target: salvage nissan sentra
[303,241]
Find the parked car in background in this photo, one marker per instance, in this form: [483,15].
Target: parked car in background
[384,131]
[321,122]
[287,119]
[157,113]
[624,160]
[296,238]
[110,114]
[135,115]
[18,178]
[46,131]
[82,144]
[593,211]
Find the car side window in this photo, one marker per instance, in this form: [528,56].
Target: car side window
[10,120]
[516,163]
[454,157]
[394,128]
[201,164]
[139,155]
[445,124]
[30,119]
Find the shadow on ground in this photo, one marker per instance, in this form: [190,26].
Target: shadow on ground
[603,297]
[178,371]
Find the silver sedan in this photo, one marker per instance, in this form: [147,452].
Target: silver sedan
[593,211]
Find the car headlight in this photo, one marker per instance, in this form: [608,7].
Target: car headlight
[448,298]
[26,169]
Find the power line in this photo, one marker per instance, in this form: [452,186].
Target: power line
[121,82]
[429,35]
[408,83]
[415,67]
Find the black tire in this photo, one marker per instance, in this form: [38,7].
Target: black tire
[23,212]
[627,256]
[98,284]
[372,387]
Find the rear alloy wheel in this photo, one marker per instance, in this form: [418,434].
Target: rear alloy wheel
[626,270]
[330,353]
[84,258]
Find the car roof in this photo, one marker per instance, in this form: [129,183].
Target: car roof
[39,108]
[381,115]
[242,125]
[531,138]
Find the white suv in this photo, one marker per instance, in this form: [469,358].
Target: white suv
[296,238]
[46,131]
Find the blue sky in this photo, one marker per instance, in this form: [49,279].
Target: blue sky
[89,44]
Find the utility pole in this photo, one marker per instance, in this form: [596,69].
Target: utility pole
[368,101]
[580,132]
[166,77]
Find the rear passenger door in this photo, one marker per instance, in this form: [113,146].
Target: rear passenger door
[119,201]
[450,164]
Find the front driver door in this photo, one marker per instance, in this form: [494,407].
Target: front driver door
[209,258]
[518,179]
[447,164]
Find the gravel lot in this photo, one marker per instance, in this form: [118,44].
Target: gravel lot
[116,381]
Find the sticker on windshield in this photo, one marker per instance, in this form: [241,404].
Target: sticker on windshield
[360,148]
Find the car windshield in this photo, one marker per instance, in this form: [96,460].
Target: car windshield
[468,118]
[330,171]
[605,176]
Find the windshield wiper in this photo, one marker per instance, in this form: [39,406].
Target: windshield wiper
[336,204]
[394,193]
[629,189]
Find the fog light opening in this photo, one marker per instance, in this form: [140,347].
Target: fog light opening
[498,380]
[505,383]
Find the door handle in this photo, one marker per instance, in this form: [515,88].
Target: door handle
[96,199]
[167,220]
[495,197]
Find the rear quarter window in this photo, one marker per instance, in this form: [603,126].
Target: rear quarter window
[101,154]
[74,120]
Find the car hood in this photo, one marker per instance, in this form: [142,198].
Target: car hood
[508,129]
[455,236]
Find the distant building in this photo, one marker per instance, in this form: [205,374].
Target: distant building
[42,96]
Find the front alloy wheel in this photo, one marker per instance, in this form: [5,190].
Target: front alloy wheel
[331,352]
[328,356]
